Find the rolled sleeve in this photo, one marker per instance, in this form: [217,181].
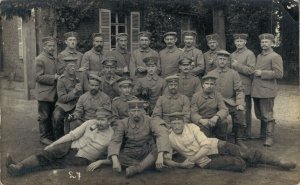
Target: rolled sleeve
[79,131]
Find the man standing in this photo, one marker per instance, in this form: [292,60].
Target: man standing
[171,101]
[170,55]
[264,86]
[244,63]
[46,77]
[121,54]
[87,104]
[230,86]
[210,57]
[137,66]
[138,141]
[188,83]
[208,109]
[109,78]
[91,60]
[193,53]
[150,87]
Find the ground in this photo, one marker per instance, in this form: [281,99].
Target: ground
[20,137]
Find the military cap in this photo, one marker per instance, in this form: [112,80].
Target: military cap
[190,33]
[240,36]
[123,81]
[208,77]
[175,116]
[122,35]
[48,39]
[170,33]
[266,36]
[109,61]
[94,77]
[144,34]
[103,112]
[97,35]
[71,34]
[135,104]
[223,53]
[172,79]
[185,59]
[212,37]
[150,60]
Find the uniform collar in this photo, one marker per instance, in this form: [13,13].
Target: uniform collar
[171,96]
[96,52]
[188,49]
[134,124]
[206,96]
[122,51]
[215,51]
[152,77]
[173,49]
[48,56]
[188,76]
[267,52]
[241,50]
[113,79]
[223,70]
[71,51]
[145,50]
[124,98]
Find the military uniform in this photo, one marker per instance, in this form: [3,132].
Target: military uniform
[120,106]
[110,87]
[210,57]
[189,85]
[168,59]
[123,58]
[198,60]
[46,68]
[65,54]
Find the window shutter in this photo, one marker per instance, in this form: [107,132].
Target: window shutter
[105,27]
[134,30]
[20,38]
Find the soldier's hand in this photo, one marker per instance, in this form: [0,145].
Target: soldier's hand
[187,164]
[94,165]
[204,122]
[234,62]
[213,121]
[56,76]
[257,72]
[210,61]
[159,161]
[141,69]
[240,107]
[78,87]
[117,166]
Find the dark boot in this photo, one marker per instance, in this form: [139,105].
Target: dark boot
[144,164]
[269,134]
[24,166]
[9,160]
[239,137]
[263,128]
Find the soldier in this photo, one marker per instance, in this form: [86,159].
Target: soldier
[230,86]
[137,67]
[70,52]
[188,83]
[138,141]
[211,153]
[121,54]
[119,104]
[210,57]
[109,78]
[91,60]
[87,104]
[46,77]
[150,87]
[74,149]
[244,63]
[208,109]
[68,91]
[264,86]
[170,55]
[193,53]
[171,101]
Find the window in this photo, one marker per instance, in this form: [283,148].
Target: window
[118,25]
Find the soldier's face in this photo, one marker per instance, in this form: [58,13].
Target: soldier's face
[71,69]
[240,43]
[94,86]
[185,67]
[49,47]
[136,114]
[173,87]
[189,41]
[98,43]
[122,43]
[144,42]
[170,41]
[212,44]
[151,69]
[266,44]
[222,61]
[209,86]
[71,42]
[102,123]
[177,126]
[109,70]
[126,89]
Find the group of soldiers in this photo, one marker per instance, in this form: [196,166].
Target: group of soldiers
[134,109]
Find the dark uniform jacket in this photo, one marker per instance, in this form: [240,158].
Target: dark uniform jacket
[67,53]
[210,59]
[91,61]
[169,61]
[198,58]
[123,59]
[120,106]
[189,85]
[110,87]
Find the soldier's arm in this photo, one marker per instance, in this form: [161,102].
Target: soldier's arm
[157,111]
[60,64]
[116,141]
[41,77]
[195,116]
[158,63]
[222,108]
[85,62]
[277,69]
[200,65]
[238,89]
[161,134]
[115,111]
[197,86]
[79,110]
[246,69]
[63,95]
[186,108]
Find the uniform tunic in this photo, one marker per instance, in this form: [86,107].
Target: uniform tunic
[189,85]
[110,87]
[245,67]
[123,59]
[169,61]
[198,58]
[132,141]
[210,59]
[137,57]
[68,53]
[91,60]
[120,106]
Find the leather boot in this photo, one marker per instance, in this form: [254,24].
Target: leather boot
[263,127]
[144,164]
[269,134]
[24,166]
[239,137]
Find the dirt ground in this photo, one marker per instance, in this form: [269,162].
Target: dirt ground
[20,137]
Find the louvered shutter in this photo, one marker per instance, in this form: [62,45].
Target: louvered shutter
[105,27]
[134,30]
[20,38]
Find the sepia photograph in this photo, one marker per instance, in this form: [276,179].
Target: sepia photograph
[149,92]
